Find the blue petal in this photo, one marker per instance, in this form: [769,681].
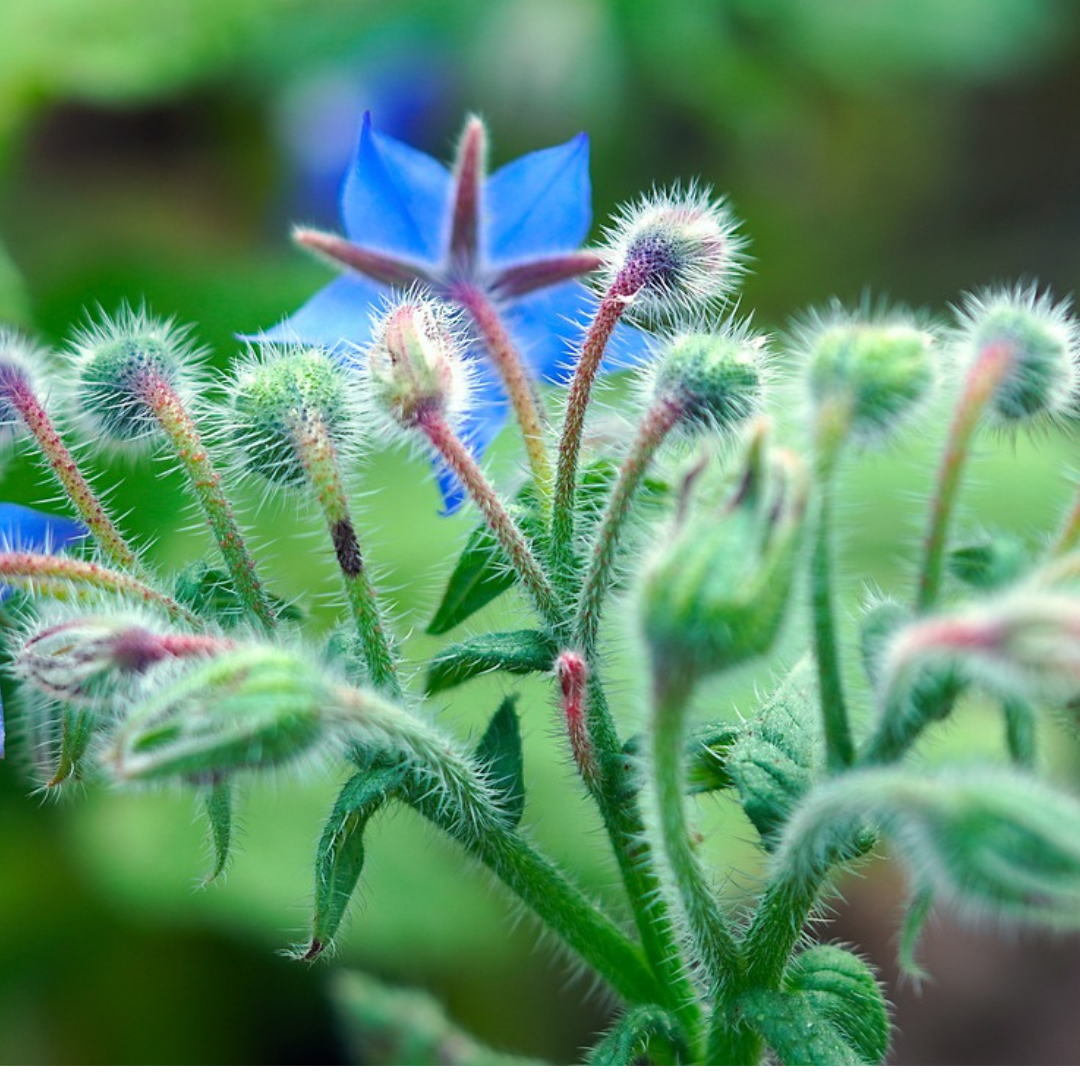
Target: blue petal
[477,432]
[23,529]
[395,198]
[548,327]
[338,315]
[541,203]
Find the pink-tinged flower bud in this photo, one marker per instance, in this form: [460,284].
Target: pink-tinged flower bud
[90,656]
[572,671]
[1040,341]
[673,251]
[417,362]
[21,368]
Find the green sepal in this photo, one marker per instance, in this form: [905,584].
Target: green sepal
[777,757]
[217,803]
[518,652]
[795,1030]
[208,591]
[340,854]
[842,989]
[499,751]
[628,1041]
[706,757]
[77,727]
[991,564]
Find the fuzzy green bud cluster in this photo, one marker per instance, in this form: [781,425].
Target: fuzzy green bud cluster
[277,396]
[416,363]
[874,371]
[250,708]
[1041,343]
[715,380]
[715,597]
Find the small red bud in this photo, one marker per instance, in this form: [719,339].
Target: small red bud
[573,673]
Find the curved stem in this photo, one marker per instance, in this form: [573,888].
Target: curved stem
[983,379]
[655,427]
[319,459]
[184,438]
[457,457]
[515,378]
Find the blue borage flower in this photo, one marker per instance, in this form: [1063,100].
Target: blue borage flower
[508,243]
[23,529]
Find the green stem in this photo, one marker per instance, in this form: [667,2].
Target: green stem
[87,505]
[713,942]
[778,925]
[317,455]
[457,457]
[661,418]
[184,438]
[983,380]
[840,750]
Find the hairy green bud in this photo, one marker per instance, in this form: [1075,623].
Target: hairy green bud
[277,394]
[875,371]
[1040,341]
[251,708]
[716,595]
[714,380]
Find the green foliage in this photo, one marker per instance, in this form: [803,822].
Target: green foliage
[796,1031]
[500,754]
[518,652]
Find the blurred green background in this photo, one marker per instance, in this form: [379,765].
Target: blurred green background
[915,148]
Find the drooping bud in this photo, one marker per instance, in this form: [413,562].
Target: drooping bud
[1040,341]
[122,366]
[276,394]
[673,251]
[417,362]
[572,672]
[716,595]
[714,380]
[89,657]
[874,371]
[251,708]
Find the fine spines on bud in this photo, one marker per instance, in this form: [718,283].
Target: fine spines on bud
[1040,343]
[870,370]
[23,368]
[276,394]
[673,251]
[712,380]
[121,368]
[418,363]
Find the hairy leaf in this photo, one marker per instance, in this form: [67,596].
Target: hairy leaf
[795,1030]
[517,651]
[628,1041]
[500,751]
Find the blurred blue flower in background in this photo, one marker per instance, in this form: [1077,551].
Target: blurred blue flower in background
[23,529]
[505,246]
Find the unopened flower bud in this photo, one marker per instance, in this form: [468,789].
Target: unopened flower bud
[255,707]
[122,366]
[89,656]
[716,595]
[672,251]
[875,371]
[276,395]
[715,380]
[417,362]
[1040,341]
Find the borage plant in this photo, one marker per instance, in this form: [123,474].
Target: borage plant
[457,295]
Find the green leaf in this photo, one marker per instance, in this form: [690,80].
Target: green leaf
[842,989]
[776,758]
[706,757]
[340,855]
[217,802]
[990,565]
[918,911]
[500,752]
[794,1029]
[519,652]
[628,1041]
[209,592]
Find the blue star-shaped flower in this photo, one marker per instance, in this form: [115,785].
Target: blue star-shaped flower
[23,529]
[502,247]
